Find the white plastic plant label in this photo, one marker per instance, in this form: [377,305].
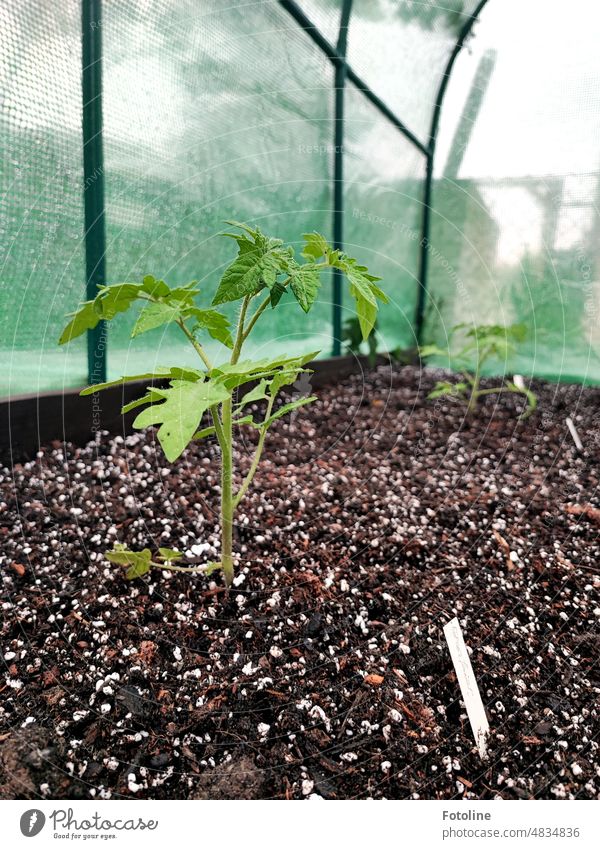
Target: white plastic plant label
[468,685]
[574,434]
[519,382]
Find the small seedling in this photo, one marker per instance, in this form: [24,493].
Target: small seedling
[263,267]
[481,343]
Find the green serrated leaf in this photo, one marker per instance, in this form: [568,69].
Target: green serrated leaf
[379,293]
[257,265]
[109,301]
[243,277]
[305,282]
[180,413]
[174,373]
[426,351]
[271,267]
[285,378]
[366,303]
[277,292]
[139,402]
[249,367]
[86,318]
[443,387]
[366,311]
[315,246]
[155,288]
[288,408]
[138,562]
[155,315]
[169,554]
[242,226]
[245,420]
[259,393]
[137,570]
[362,286]
[121,557]
[232,376]
[202,434]
[183,294]
[115,299]
[214,322]
[130,378]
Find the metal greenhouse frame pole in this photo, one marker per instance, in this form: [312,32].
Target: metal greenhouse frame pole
[427,193]
[332,54]
[338,174]
[337,55]
[343,72]
[93,176]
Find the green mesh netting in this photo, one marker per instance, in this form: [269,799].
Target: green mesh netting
[42,272]
[400,50]
[383,182]
[252,142]
[227,109]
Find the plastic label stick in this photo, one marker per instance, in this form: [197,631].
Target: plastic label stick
[574,434]
[468,685]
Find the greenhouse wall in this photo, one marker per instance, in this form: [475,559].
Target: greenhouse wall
[233,111]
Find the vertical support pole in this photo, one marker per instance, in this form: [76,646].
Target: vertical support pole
[425,236]
[338,173]
[427,194]
[93,176]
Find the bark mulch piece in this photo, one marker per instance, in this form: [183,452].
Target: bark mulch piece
[376,517]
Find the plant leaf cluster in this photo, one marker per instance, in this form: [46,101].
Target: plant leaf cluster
[480,343]
[178,398]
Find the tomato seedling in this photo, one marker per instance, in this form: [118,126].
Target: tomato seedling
[480,344]
[264,269]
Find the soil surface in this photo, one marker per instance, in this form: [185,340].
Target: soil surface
[376,517]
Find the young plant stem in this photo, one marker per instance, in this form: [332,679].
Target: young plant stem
[241,335]
[197,346]
[214,411]
[475,381]
[226,443]
[227,506]
[223,429]
[170,568]
[257,455]
[256,316]
[472,405]
[267,301]
[529,396]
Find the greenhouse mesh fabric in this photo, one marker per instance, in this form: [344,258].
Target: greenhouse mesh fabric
[42,270]
[400,50]
[383,213]
[227,110]
[241,126]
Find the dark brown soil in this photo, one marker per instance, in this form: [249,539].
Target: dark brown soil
[377,516]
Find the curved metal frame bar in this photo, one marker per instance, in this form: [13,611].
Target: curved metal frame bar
[435,122]
[338,57]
